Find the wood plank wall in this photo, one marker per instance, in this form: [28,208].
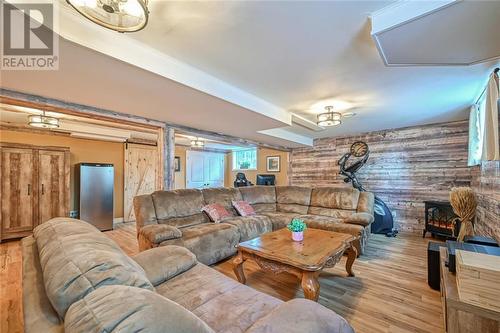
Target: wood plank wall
[486,184]
[406,166]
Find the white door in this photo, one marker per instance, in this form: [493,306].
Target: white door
[204,169]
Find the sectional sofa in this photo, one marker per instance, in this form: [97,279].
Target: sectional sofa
[176,217]
[75,280]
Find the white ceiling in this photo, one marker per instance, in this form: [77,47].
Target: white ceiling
[259,61]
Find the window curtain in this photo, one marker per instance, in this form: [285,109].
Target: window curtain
[484,141]
[475,136]
[491,146]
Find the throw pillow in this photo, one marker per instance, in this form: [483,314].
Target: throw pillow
[243,208]
[216,212]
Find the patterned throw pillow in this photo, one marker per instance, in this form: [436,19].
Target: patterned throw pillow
[243,208]
[216,212]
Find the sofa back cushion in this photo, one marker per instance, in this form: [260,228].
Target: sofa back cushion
[333,201]
[129,309]
[293,199]
[262,198]
[222,196]
[180,208]
[77,259]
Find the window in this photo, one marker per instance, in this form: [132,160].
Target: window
[245,159]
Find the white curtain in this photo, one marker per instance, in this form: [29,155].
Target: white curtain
[484,141]
[475,136]
[491,146]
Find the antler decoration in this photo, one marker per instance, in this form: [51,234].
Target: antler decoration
[463,201]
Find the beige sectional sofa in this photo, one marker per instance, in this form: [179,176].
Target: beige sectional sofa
[175,217]
[75,279]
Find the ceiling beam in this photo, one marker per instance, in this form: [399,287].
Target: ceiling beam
[49,104]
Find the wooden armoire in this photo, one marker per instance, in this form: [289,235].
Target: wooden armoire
[35,187]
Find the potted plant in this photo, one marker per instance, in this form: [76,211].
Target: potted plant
[297,227]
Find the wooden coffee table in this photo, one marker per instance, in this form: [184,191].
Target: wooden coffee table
[276,252]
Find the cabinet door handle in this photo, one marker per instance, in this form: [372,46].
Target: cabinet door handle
[29,189]
[43,190]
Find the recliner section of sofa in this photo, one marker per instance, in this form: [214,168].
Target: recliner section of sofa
[75,279]
[330,208]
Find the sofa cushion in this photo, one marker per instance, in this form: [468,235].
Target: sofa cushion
[157,233]
[210,242]
[301,315]
[335,197]
[180,208]
[216,212]
[223,303]
[366,203]
[243,208]
[222,196]
[363,219]
[293,199]
[129,309]
[144,210]
[262,198]
[280,219]
[251,226]
[76,259]
[330,212]
[165,262]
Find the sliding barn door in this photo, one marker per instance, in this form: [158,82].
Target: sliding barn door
[52,185]
[18,192]
[141,175]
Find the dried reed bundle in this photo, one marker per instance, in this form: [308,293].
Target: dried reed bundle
[463,201]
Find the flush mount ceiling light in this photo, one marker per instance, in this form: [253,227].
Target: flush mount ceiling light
[331,118]
[197,142]
[42,121]
[118,15]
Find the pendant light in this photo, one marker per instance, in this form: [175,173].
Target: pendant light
[43,121]
[118,15]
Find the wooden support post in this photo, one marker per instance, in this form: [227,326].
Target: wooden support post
[168,158]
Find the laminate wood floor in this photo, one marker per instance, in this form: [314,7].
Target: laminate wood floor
[388,294]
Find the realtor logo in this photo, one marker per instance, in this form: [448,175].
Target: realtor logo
[28,38]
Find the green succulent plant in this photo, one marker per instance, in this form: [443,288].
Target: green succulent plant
[297,225]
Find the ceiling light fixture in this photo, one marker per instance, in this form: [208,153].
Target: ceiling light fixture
[198,143]
[43,121]
[329,118]
[118,15]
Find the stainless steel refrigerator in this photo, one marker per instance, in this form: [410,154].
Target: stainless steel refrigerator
[95,185]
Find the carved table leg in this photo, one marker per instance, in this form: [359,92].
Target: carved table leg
[238,268]
[310,285]
[352,254]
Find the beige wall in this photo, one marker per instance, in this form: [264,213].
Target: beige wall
[262,153]
[81,150]
[180,176]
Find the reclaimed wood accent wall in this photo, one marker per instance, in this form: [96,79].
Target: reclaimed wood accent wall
[406,166]
[486,184]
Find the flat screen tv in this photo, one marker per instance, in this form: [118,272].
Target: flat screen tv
[266,180]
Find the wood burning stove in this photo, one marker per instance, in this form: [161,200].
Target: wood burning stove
[440,219]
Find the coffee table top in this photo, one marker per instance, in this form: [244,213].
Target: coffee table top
[311,254]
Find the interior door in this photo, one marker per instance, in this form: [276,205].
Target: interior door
[18,200]
[141,172]
[215,170]
[204,169]
[195,169]
[51,185]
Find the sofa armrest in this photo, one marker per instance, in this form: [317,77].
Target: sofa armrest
[301,315]
[164,262]
[157,233]
[363,219]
